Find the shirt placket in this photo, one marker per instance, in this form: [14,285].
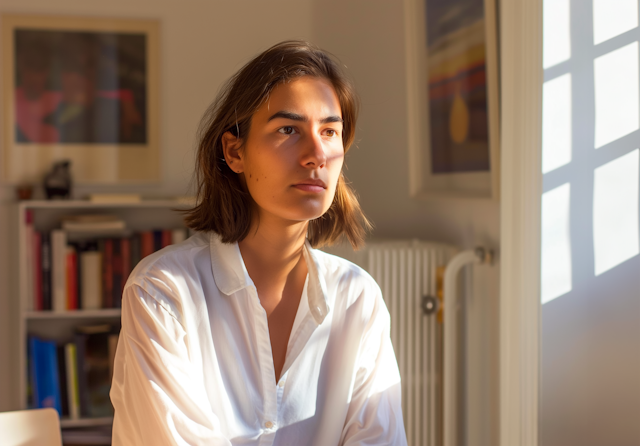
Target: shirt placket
[270,394]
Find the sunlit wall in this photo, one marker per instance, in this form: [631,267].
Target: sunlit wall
[590,281]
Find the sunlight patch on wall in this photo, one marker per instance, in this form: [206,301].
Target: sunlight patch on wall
[616,94]
[612,18]
[615,211]
[556,123]
[556,243]
[556,41]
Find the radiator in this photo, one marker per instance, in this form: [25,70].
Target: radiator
[406,272]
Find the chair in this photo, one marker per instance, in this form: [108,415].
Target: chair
[37,427]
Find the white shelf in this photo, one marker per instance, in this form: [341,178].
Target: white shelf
[60,325]
[73,314]
[86,204]
[86,422]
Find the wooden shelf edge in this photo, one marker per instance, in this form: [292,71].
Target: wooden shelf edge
[85,422]
[73,314]
[67,204]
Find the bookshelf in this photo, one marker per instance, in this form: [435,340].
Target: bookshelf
[60,326]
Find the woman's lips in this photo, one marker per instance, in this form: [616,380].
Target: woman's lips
[309,187]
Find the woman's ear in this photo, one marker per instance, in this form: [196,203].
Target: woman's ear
[231,149]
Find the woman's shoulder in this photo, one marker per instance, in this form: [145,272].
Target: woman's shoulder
[353,292]
[178,256]
[169,275]
[166,271]
[345,273]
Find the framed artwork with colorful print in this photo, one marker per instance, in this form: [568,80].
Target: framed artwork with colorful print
[80,89]
[453,98]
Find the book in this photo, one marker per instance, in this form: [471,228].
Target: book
[30,378]
[113,345]
[166,237]
[157,239]
[62,379]
[115,198]
[91,281]
[107,268]
[82,246]
[93,223]
[113,257]
[37,268]
[118,273]
[44,372]
[116,225]
[146,239]
[178,235]
[83,393]
[59,269]
[46,271]
[136,250]
[125,250]
[72,278]
[73,395]
[93,344]
[32,347]
[29,251]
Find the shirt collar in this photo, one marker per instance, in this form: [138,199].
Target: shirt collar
[230,274]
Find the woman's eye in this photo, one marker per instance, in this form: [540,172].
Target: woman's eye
[287,130]
[331,132]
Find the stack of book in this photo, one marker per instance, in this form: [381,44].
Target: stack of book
[86,263]
[74,377]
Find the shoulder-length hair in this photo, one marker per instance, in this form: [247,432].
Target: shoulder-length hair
[223,203]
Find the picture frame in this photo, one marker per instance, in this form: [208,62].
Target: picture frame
[82,89]
[465,161]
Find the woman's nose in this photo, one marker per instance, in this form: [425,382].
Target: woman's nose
[314,154]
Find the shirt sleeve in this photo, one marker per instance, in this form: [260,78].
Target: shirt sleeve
[374,416]
[157,397]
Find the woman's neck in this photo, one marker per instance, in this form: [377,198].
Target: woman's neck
[273,255]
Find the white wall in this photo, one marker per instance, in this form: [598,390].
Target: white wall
[202,44]
[590,331]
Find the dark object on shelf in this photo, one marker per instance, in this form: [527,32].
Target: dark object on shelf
[95,358]
[98,435]
[57,183]
[24,192]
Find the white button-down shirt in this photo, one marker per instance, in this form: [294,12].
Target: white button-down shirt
[194,363]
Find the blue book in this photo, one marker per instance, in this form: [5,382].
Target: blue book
[44,368]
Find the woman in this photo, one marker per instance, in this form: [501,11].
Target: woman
[245,334]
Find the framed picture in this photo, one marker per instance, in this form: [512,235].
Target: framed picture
[81,89]
[453,98]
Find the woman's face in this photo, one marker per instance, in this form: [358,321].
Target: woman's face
[293,155]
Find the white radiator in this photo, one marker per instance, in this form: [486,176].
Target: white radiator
[406,272]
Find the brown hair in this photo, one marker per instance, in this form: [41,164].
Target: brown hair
[223,204]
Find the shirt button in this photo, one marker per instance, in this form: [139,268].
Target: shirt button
[268,424]
[281,384]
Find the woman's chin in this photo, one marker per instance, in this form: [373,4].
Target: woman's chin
[304,214]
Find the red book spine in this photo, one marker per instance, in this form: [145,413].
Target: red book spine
[146,243]
[37,269]
[29,252]
[166,237]
[108,274]
[125,250]
[72,280]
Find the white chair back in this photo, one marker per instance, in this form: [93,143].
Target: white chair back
[37,427]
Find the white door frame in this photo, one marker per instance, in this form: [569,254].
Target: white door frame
[521,188]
